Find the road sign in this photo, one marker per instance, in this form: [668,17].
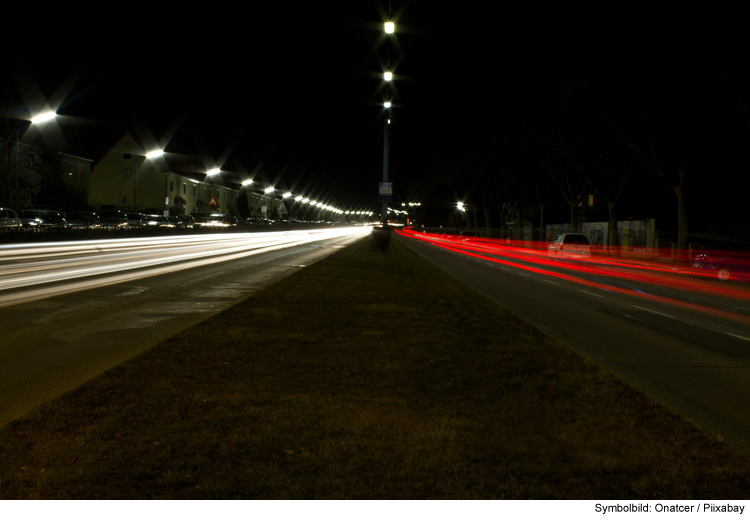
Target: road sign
[212,202]
[386,191]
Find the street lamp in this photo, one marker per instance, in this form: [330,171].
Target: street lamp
[36,120]
[149,155]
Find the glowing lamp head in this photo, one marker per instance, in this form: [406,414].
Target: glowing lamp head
[213,172]
[154,154]
[388,76]
[390,27]
[41,118]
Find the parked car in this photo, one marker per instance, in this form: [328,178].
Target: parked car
[111,219]
[212,220]
[81,219]
[184,221]
[575,245]
[136,219]
[9,219]
[723,265]
[43,219]
[157,221]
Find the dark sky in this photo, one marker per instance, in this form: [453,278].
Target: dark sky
[292,91]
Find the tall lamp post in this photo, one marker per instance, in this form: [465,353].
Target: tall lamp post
[388,77]
[141,159]
[41,118]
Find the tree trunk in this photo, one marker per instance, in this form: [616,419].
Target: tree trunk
[682,219]
[612,230]
[542,224]
[573,216]
[519,223]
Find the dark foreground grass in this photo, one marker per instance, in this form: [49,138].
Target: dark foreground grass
[366,375]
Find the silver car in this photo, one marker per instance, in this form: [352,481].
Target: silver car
[9,219]
[574,245]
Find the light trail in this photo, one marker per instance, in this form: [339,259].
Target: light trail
[666,276]
[27,270]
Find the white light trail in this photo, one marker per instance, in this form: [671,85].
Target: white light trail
[101,262]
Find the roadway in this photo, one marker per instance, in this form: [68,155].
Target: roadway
[70,311]
[684,340]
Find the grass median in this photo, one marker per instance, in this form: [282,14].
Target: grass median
[367,375]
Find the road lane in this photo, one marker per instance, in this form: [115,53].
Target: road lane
[687,348]
[52,344]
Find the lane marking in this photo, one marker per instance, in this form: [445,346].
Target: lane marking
[739,336]
[524,274]
[555,283]
[652,311]
[590,293]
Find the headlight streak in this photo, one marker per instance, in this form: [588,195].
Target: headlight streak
[456,246]
[118,261]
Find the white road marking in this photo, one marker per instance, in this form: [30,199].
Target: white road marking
[551,282]
[652,311]
[590,293]
[739,336]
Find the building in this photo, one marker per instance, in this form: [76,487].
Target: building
[124,178]
[262,206]
[32,175]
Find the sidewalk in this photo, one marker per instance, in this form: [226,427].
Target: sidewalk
[367,375]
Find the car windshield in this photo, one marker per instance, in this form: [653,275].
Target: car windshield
[577,239]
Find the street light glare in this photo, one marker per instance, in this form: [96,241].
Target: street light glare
[387,104]
[154,153]
[390,27]
[41,118]
[388,76]
[269,190]
[213,172]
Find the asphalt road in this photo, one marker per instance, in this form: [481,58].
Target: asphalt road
[108,305]
[684,341]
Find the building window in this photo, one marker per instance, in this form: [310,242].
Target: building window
[79,170]
[591,200]
[184,189]
[171,185]
[194,186]
[125,156]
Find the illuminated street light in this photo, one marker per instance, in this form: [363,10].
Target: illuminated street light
[213,172]
[41,118]
[390,28]
[269,190]
[149,155]
[388,76]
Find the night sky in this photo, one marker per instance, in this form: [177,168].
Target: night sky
[292,93]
